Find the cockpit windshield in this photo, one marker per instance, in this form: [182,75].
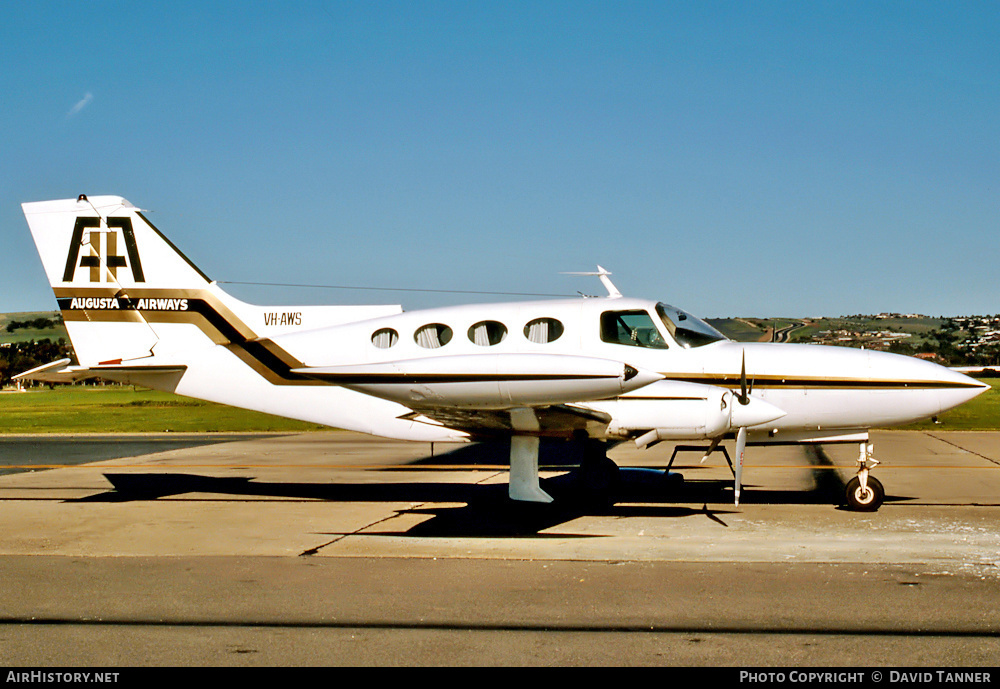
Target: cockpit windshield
[688,330]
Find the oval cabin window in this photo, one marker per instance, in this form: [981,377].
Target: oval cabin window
[487,333]
[433,336]
[543,330]
[385,338]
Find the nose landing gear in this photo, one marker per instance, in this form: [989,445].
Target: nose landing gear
[865,493]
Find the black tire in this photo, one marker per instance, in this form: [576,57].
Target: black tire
[599,475]
[864,502]
[598,478]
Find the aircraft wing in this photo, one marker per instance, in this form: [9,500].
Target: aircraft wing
[557,420]
[494,395]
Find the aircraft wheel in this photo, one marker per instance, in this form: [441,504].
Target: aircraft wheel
[599,475]
[672,480]
[869,501]
[598,480]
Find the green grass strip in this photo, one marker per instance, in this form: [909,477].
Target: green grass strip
[120,409]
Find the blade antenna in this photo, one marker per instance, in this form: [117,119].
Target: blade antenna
[613,292]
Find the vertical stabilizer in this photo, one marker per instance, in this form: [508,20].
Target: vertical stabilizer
[106,262]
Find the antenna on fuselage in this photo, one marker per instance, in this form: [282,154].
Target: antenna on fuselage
[603,274]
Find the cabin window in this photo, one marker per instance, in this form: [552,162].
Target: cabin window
[487,333]
[433,336]
[385,338]
[542,330]
[634,328]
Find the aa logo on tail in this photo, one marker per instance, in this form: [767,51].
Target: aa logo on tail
[102,250]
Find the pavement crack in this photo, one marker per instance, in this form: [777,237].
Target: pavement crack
[963,449]
[342,536]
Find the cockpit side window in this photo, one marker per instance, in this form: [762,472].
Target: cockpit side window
[634,328]
[688,330]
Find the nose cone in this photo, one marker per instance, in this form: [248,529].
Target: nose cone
[754,412]
[942,388]
[969,388]
[849,388]
[635,378]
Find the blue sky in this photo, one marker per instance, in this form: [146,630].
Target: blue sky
[746,158]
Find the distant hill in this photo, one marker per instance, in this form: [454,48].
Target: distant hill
[32,325]
[873,331]
[741,329]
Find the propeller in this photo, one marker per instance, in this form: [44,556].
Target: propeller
[751,411]
[741,434]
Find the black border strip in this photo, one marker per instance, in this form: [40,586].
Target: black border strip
[404,378]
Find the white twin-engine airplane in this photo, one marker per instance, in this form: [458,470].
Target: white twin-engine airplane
[595,371]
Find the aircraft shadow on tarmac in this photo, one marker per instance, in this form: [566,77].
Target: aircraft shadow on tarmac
[486,510]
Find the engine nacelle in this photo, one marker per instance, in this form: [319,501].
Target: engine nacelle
[685,411]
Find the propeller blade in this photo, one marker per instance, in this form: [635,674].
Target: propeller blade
[744,397]
[711,448]
[741,444]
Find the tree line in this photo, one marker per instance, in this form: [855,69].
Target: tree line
[18,357]
[40,323]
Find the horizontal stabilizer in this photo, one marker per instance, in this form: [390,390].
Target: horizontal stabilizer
[54,372]
[62,372]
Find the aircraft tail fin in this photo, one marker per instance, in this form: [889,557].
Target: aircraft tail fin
[94,243]
[106,263]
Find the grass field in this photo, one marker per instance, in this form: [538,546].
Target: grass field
[115,409]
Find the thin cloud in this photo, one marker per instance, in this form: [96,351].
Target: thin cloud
[81,104]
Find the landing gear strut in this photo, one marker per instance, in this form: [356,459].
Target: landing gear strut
[865,493]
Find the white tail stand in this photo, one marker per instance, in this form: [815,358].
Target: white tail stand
[524,484]
[524,470]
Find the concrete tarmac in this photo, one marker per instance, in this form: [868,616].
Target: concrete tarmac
[341,549]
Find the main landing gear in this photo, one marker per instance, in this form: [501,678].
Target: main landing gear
[865,493]
[598,478]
